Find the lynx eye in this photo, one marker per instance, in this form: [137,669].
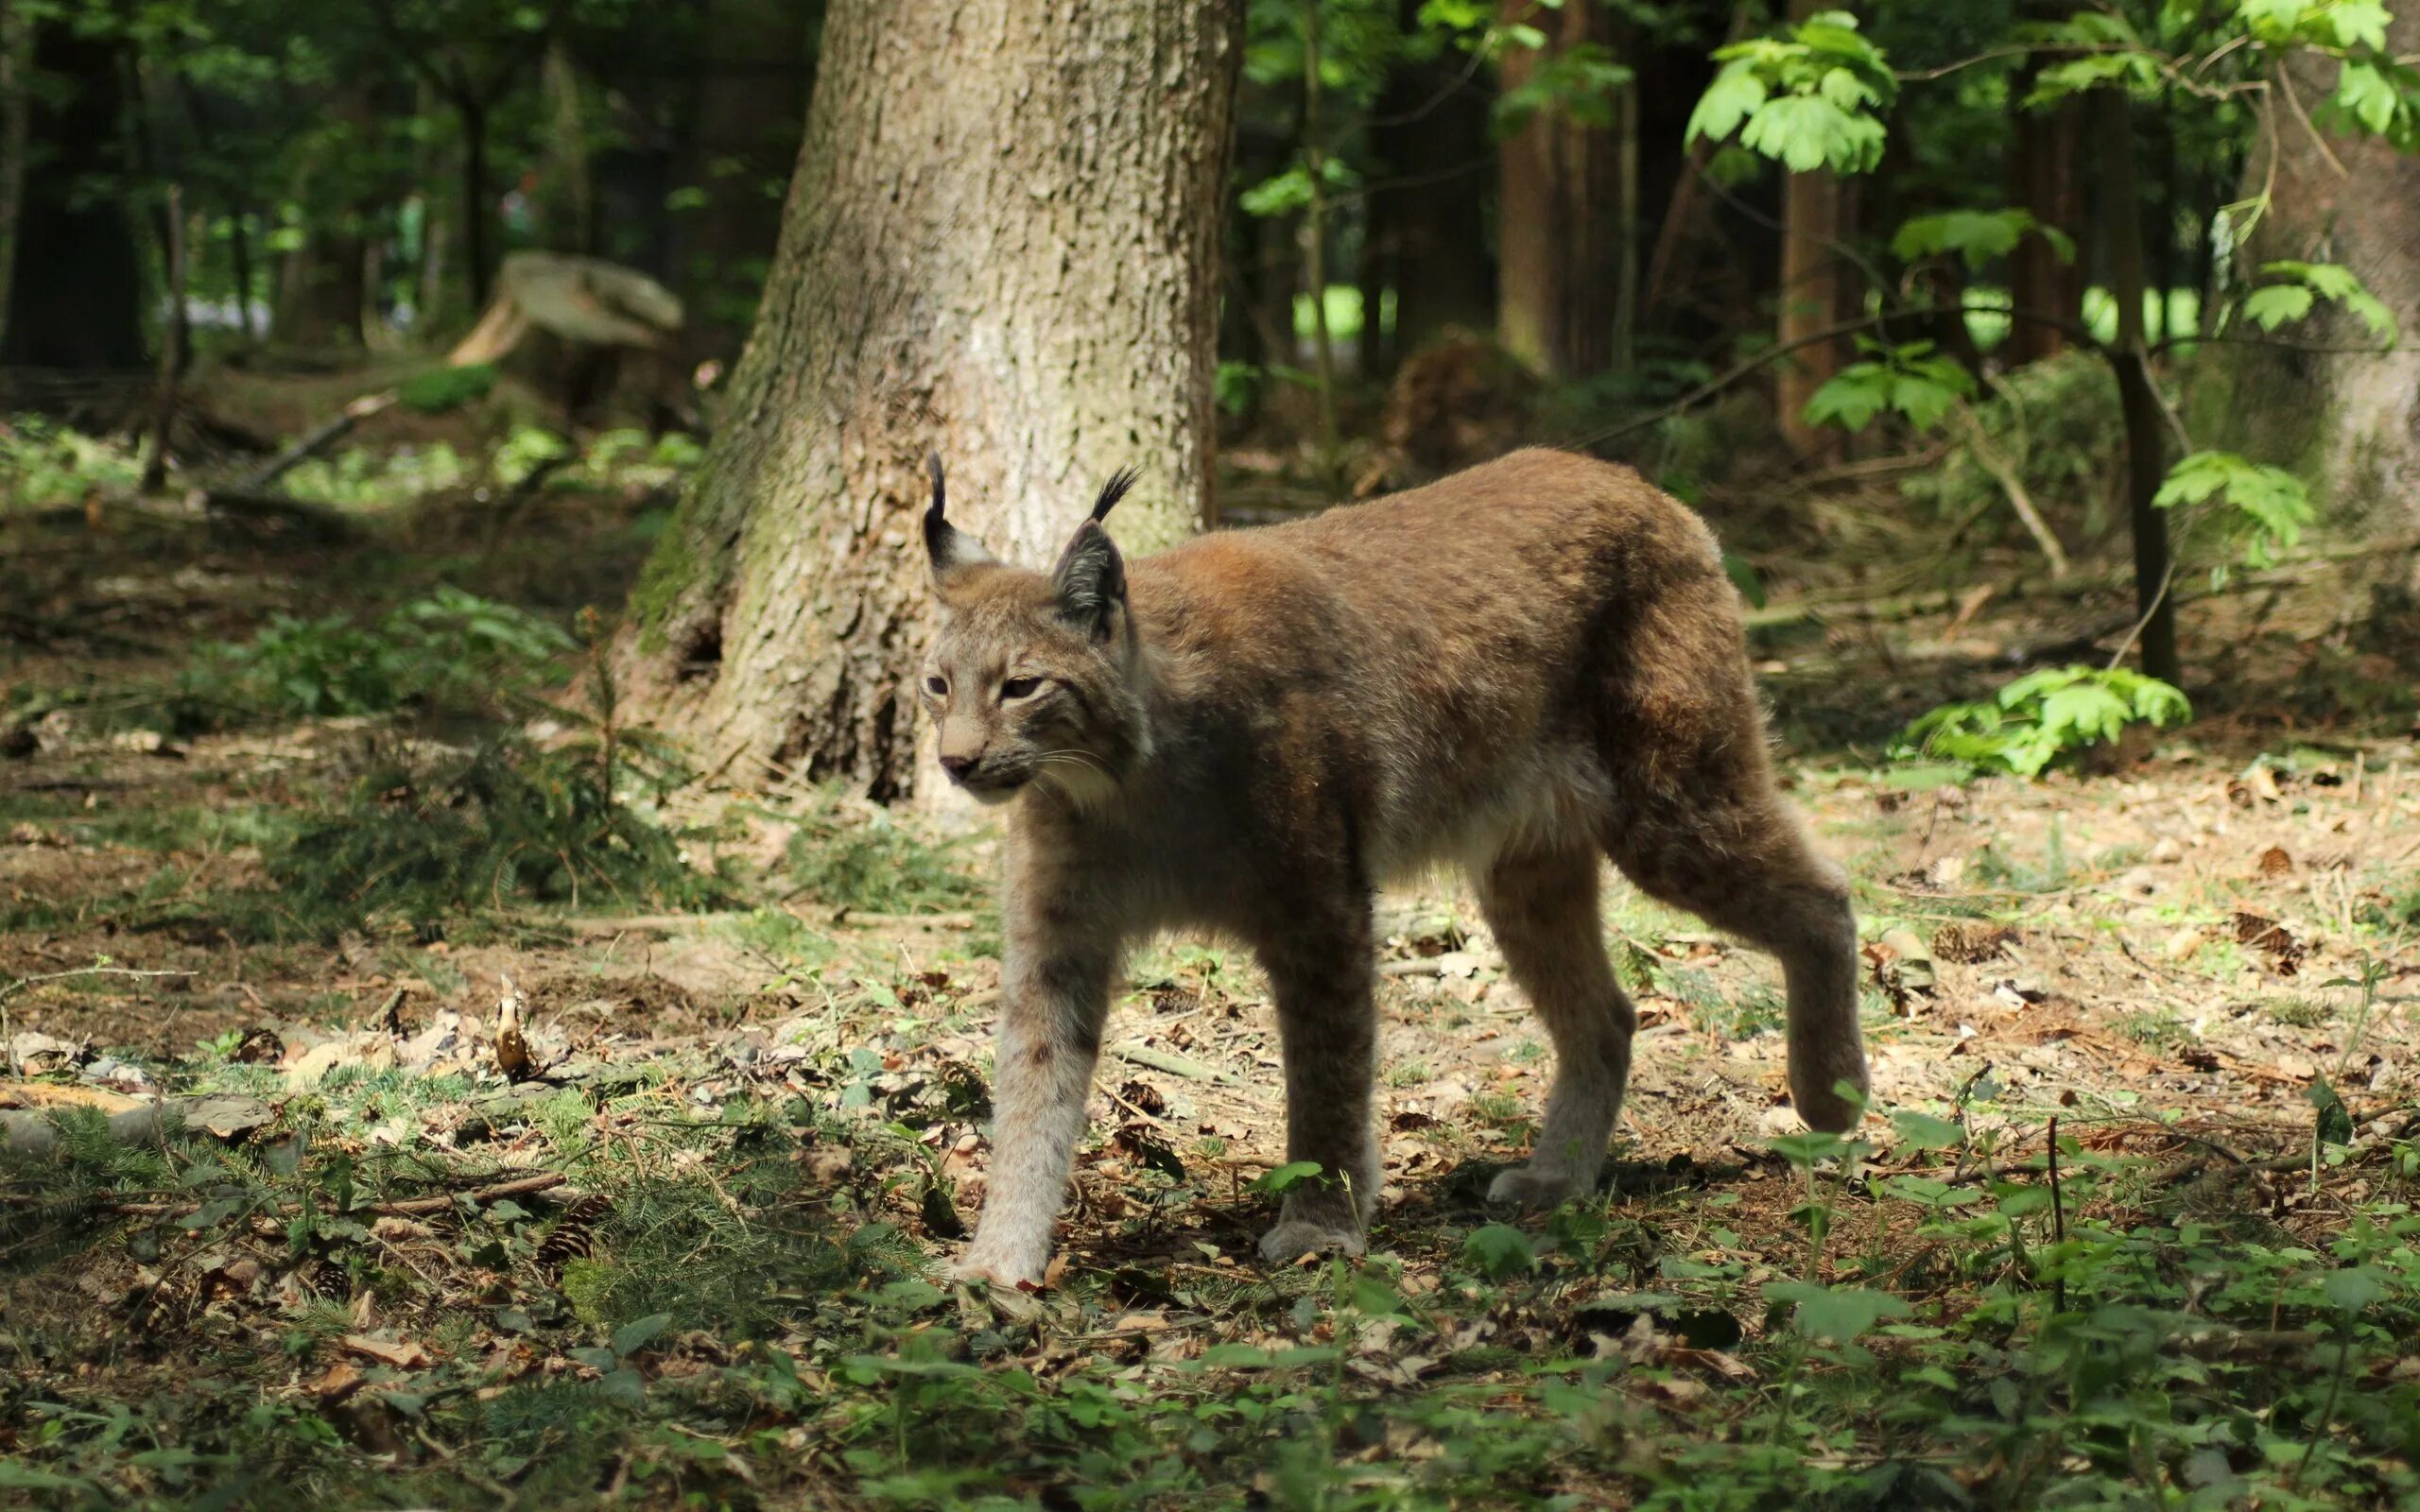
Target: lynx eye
[1019,688]
[938,686]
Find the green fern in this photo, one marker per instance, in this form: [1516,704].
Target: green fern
[2044,716]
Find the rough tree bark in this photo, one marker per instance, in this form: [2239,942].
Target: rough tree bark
[1812,291]
[2348,421]
[1558,244]
[1016,266]
[75,299]
[2048,155]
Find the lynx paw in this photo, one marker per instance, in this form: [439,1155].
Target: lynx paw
[1002,1272]
[1531,1186]
[1296,1237]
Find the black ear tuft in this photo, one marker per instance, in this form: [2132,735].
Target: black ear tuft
[1089,580]
[1113,490]
[946,546]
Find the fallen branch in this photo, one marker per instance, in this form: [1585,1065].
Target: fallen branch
[1175,1065]
[411,1206]
[312,444]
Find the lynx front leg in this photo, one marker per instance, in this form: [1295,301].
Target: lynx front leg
[1542,908]
[1322,974]
[1050,1028]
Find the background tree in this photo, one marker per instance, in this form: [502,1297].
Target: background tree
[2336,161]
[1018,270]
[74,298]
[1563,221]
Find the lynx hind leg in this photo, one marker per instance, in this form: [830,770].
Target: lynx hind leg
[1699,824]
[1320,971]
[1542,908]
[1742,865]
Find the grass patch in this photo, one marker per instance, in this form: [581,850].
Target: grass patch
[501,826]
[851,855]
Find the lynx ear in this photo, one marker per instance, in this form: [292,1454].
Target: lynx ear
[946,547]
[1090,581]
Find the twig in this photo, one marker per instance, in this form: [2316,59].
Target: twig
[2058,1215]
[2004,472]
[1175,1065]
[23,982]
[408,1208]
[2166,579]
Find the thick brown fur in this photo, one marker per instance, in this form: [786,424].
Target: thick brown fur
[1519,670]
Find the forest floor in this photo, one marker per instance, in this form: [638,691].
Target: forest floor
[2130,1223]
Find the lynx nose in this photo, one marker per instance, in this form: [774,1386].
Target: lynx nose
[957,766]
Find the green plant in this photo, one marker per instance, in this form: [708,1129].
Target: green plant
[1908,378]
[503,824]
[1806,97]
[867,858]
[2044,716]
[441,390]
[43,464]
[362,478]
[449,646]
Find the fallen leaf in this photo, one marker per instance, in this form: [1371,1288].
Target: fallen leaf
[337,1382]
[371,1050]
[55,1094]
[402,1355]
[512,1055]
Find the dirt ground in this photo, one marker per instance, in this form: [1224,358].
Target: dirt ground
[2164,951]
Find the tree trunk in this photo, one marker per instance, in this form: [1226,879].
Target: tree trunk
[2349,422]
[1559,237]
[2046,169]
[2121,218]
[1811,299]
[16,115]
[479,207]
[320,293]
[1811,290]
[76,297]
[1433,141]
[1019,271]
[239,269]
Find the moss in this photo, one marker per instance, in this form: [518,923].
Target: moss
[587,1284]
[671,567]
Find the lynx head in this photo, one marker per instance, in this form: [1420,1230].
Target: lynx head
[1031,677]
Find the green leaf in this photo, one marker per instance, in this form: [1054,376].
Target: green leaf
[1287,1177]
[1922,1131]
[2363,94]
[2275,304]
[2354,1289]
[1745,578]
[1976,236]
[2334,1123]
[1851,398]
[1499,1250]
[1837,1314]
[634,1336]
[1803,1150]
[1734,95]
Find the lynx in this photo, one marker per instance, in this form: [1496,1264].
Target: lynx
[1516,671]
